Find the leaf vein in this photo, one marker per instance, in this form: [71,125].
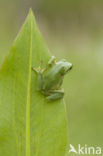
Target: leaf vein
[28,99]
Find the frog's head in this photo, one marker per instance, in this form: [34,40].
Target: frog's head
[66,66]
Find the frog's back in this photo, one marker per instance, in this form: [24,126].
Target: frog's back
[52,80]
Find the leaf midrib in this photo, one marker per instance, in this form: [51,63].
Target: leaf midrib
[28,98]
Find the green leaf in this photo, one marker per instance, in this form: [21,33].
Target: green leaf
[29,124]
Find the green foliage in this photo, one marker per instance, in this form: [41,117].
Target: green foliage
[29,124]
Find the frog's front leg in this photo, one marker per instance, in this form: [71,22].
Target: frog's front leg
[40,77]
[55,95]
[39,70]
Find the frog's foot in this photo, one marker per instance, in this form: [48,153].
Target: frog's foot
[38,70]
[52,60]
[55,95]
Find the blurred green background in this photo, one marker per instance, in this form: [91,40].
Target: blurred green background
[73,29]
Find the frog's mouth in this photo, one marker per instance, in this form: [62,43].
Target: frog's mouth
[70,68]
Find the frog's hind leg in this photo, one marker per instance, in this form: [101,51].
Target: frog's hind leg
[55,95]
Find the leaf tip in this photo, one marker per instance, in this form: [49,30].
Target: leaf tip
[31,14]
[30,11]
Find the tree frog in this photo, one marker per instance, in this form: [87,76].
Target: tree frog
[50,79]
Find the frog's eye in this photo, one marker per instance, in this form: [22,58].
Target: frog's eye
[52,60]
